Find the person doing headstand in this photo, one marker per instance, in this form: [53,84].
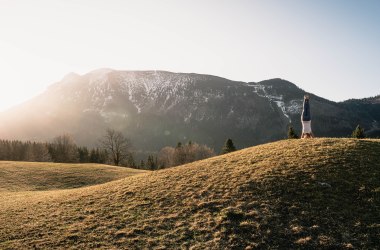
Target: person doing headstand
[306,119]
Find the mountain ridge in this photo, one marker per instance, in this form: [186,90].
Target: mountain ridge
[160,108]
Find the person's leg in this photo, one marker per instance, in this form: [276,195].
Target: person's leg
[306,109]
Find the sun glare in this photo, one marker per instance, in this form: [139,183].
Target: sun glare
[24,75]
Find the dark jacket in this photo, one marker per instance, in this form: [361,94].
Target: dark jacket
[306,116]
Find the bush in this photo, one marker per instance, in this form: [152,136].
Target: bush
[358,133]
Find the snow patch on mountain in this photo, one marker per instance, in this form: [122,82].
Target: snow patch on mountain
[294,107]
[260,90]
[187,118]
[281,105]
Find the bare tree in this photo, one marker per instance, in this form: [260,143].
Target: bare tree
[41,153]
[64,149]
[117,145]
[169,156]
[165,157]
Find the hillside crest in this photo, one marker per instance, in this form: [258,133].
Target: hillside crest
[319,193]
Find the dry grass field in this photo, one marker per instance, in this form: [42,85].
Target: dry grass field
[291,194]
[34,176]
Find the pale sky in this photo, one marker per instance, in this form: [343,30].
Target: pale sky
[328,47]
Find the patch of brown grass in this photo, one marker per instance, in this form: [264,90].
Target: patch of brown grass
[320,193]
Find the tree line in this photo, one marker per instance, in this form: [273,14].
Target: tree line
[118,148]
[62,149]
[114,149]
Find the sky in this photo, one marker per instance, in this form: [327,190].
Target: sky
[327,47]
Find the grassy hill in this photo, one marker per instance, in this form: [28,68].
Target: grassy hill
[319,193]
[32,176]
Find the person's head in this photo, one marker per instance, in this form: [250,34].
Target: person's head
[306,96]
[306,135]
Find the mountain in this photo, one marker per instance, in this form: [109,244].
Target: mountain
[158,108]
[367,109]
[291,194]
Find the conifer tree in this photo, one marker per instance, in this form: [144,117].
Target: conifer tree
[228,147]
[131,161]
[291,133]
[150,164]
[358,133]
[94,156]
[142,164]
[103,156]
[83,154]
[180,154]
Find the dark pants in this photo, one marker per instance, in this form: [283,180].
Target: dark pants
[306,116]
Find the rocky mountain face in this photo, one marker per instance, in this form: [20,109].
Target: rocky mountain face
[157,108]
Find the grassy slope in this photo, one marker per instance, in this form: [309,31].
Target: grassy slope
[288,194]
[33,176]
